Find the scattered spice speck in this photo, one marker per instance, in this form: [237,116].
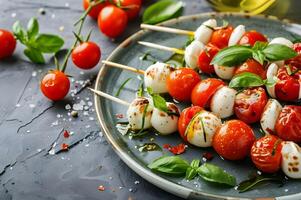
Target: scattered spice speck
[74,113]
[176,150]
[66,134]
[65,147]
[208,156]
[119,116]
[101,188]
[42,11]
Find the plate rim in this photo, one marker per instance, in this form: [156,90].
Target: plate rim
[149,176]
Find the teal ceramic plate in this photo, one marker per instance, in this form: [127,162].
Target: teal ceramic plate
[109,80]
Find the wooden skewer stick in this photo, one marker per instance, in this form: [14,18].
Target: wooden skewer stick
[165,48]
[105,95]
[167,29]
[109,63]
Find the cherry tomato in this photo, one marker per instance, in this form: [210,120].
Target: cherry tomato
[251,37]
[132,7]
[220,38]
[266,153]
[288,124]
[94,12]
[205,58]
[186,115]
[251,66]
[55,85]
[288,86]
[249,104]
[203,91]
[7,43]
[181,82]
[86,55]
[296,61]
[112,21]
[233,140]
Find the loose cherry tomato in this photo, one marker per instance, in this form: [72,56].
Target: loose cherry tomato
[7,43]
[55,85]
[205,58]
[249,104]
[132,7]
[296,61]
[233,140]
[288,124]
[288,86]
[86,55]
[266,153]
[181,82]
[251,66]
[186,115]
[203,91]
[94,12]
[220,38]
[251,37]
[112,21]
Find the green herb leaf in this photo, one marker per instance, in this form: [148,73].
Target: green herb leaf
[19,32]
[149,147]
[215,174]
[232,56]
[122,86]
[140,92]
[32,28]
[169,165]
[246,79]
[275,52]
[159,102]
[176,60]
[48,43]
[192,170]
[259,46]
[259,56]
[34,55]
[140,134]
[162,10]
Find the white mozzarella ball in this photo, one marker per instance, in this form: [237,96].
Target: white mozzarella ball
[222,102]
[155,77]
[291,160]
[225,73]
[192,53]
[165,123]
[201,129]
[270,115]
[135,113]
[271,74]
[236,35]
[283,41]
[204,32]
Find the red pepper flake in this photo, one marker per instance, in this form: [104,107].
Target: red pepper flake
[65,147]
[208,156]
[119,116]
[101,188]
[270,131]
[178,149]
[66,134]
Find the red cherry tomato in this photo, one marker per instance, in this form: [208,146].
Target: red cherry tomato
[204,90]
[296,61]
[233,140]
[94,12]
[251,66]
[7,43]
[288,86]
[112,21]
[288,124]
[186,115]
[249,104]
[86,55]
[251,37]
[205,58]
[55,85]
[220,38]
[181,82]
[266,154]
[132,7]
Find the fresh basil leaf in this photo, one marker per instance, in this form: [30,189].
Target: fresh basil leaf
[34,55]
[192,170]
[161,11]
[32,28]
[48,43]
[215,174]
[246,79]
[232,56]
[275,52]
[122,86]
[175,60]
[259,56]
[270,82]
[169,165]
[159,102]
[19,32]
[259,46]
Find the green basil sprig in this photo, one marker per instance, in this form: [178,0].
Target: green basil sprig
[162,11]
[261,52]
[36,43]
[248,79]
[159,102]
[191,171]
[170,165]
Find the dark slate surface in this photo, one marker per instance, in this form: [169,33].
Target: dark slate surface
[30,125]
